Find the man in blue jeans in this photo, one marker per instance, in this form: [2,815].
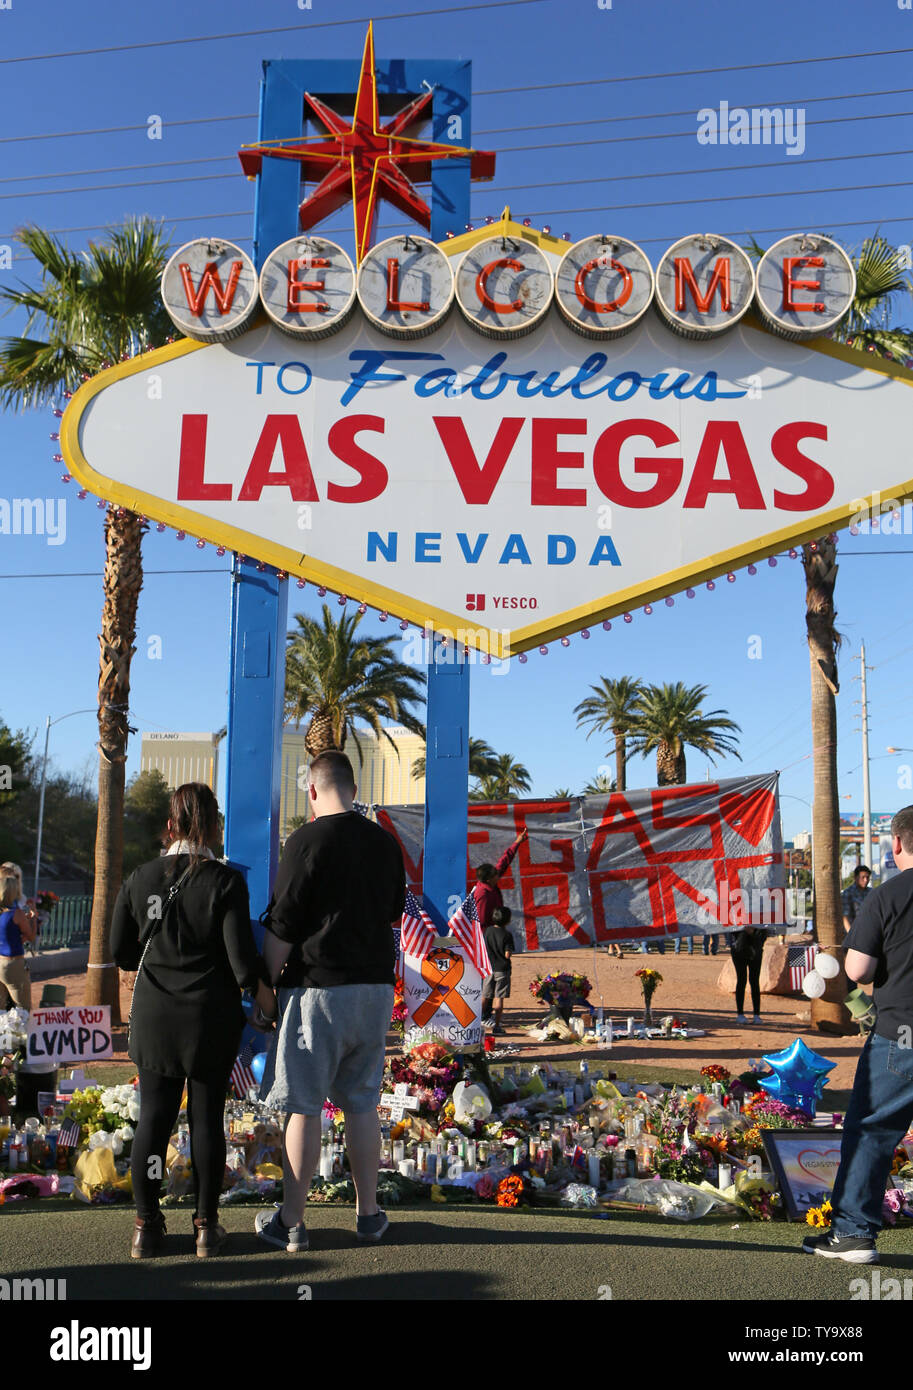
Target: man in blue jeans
[879,950]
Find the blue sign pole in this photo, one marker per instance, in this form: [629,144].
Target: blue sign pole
[259,610]
[259,599]
[447,713]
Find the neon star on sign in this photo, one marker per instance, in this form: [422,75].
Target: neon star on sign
[360,161]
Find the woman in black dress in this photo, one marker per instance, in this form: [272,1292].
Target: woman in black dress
[187,1019]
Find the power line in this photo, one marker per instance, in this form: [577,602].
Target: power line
[392,227]
[493,130]
[686,134]
[99,574]
[124,129]
[509,188]
[693,72]
[724,198]
[277,29]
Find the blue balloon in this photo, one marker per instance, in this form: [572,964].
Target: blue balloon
[799,1078]
[258,1065]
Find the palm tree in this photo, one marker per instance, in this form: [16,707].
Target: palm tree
[600,785]
[507,779]
[561,794]
[611,707]
[670,718]
[335,677]
[880,278]
[483,760]
[90,309]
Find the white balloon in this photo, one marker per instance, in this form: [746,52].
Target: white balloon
[813,985]
[826,966]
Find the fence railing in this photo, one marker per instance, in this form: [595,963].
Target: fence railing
[68,924]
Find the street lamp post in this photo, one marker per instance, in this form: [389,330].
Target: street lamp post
[44,778]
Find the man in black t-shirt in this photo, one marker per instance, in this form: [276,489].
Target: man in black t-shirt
[339,888]
[500,946]
[879,951]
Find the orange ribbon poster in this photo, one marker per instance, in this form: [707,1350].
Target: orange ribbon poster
[443,994]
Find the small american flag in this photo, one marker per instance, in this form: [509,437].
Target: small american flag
[800,960]
[417,929]
[242,1078]
[70,1131]
[467,929]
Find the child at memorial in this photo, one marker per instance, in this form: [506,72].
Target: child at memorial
[16,927]
[747,947]
[182,922]
[500,945]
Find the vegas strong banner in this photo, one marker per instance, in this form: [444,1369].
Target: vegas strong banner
[642,864]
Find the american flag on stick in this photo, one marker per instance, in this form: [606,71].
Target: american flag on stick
[801,960]
[242,1078]
[467,929]
[69,1134]
[417,929]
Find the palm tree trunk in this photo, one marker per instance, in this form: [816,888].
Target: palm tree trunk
[320,735]
[123,580]
[620,762]
[666,766]
[828,1013]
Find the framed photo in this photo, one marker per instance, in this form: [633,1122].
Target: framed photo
[805,1163]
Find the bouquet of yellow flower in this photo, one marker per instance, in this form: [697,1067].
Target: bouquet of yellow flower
[649,979]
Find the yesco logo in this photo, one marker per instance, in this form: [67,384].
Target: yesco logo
[75,1343]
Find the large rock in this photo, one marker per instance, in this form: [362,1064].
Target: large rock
[774,972]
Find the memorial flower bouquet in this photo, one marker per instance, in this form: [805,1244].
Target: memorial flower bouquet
[550,989]
[649,980]
[398,1019]
[8,1075]
[111,1112]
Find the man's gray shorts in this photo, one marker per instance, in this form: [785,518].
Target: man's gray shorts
[329,1045]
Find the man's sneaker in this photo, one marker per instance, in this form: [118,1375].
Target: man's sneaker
[273,1230]
[371,1227]
[757,1019]
[856,1250]
[740,1018]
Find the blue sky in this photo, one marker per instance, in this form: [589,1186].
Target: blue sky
[613,147]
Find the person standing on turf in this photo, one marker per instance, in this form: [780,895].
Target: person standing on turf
[853,898]
[182,922]
[747,947]
[340,886]
[879,951]
[500,946]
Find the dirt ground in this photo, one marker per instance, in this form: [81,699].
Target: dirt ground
[689,989]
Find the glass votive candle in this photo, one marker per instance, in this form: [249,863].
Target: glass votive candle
[407,1167]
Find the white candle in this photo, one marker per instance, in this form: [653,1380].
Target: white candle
[593,1168]
[725,1176]
[407,1167]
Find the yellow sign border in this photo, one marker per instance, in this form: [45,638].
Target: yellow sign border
[472,634]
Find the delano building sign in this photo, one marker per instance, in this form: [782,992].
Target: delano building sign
[501,434]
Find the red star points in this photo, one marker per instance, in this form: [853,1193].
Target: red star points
[361,161]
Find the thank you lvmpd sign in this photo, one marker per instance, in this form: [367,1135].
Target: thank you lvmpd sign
[59,1036]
